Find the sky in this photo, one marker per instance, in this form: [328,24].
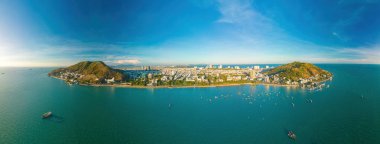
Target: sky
[167,32]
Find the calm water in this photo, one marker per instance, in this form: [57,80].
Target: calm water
[346,112]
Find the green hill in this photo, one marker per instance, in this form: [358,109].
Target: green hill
[296,70]
[89,72]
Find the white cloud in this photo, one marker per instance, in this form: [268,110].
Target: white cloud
[362,55]
[235,11]
[127,61]
[59,52]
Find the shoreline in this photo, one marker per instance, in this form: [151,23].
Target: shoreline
[132,86]
[203,86]
[154,87]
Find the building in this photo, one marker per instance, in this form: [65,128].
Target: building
[256,67]
[220,66]
[150,75]
[267,67]
[190,79]
[266,79]
[112,80]
[237,78]
[164,78]
[237,67]
[229,78]
[252,74]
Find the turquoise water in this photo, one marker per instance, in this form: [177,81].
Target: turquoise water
[346,112]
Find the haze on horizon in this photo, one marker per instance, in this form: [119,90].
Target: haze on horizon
[63,32]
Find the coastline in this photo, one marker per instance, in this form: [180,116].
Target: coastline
[154,87]
[132,86]
[75,72]
[203,86]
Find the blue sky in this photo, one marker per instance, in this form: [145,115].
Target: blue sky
[146,32]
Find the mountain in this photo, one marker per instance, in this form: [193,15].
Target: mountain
[90,72]
[298,70]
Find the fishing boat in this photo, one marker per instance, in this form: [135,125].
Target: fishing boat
[47,115]
[291,135]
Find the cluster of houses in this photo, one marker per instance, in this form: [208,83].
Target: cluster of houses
[202,75]
[211,74]
[310,83]
[207,75]
[72,77]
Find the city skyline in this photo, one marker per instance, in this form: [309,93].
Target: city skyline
[61,33]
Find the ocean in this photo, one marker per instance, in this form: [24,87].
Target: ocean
[348,111]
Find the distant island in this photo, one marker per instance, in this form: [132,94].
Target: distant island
[97,73]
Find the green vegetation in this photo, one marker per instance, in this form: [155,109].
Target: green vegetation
[296,70]
[209,81]
[97,72]
[91,72]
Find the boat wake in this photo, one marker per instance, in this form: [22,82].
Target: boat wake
[55,118]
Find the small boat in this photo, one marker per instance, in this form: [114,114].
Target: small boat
[47,115]
[291,135]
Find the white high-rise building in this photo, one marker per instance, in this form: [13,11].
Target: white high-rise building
[256,67]
[220,66]
[266,67]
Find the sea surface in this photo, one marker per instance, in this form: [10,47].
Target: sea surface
[346,112]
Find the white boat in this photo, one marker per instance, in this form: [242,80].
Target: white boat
[47,115]
[291,135]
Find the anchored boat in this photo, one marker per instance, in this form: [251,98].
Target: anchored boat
[47,115]
[291,135]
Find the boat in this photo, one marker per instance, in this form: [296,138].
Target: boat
[291,135]
[47,115]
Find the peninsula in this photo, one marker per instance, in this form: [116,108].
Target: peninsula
[88,72]
[97,73]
